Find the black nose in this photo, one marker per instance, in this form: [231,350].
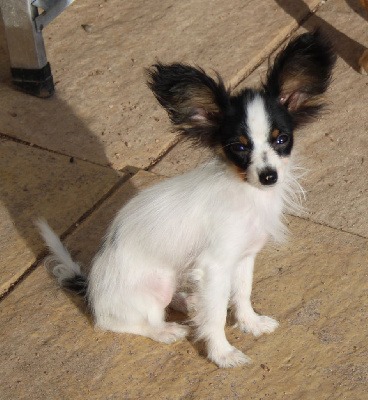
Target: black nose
[268,177]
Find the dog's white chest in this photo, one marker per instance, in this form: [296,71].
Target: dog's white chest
[260,222]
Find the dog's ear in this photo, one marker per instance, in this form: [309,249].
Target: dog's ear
[195,102]
[300,75]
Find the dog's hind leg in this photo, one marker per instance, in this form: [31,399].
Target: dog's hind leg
[140,310]
[165,332]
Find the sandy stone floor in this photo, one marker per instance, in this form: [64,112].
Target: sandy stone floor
[77,157]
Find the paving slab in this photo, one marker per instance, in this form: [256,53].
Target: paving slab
[333,149]
[183,157]
[315,285]
[102,110]
[36,183]
[336,149]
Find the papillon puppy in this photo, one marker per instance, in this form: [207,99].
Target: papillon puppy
[209,224]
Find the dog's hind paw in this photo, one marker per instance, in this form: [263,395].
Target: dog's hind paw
[258,324]
[170,333]
[229,358]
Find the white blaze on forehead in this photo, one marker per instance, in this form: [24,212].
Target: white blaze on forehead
[258,122]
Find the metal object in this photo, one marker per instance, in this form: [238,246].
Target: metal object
[52,9]
[23,30]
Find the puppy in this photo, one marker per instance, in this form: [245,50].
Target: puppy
[208,224]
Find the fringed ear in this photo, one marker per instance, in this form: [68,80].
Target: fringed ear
[300,75]
[196,104]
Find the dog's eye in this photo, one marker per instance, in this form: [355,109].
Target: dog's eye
[282,139]
[237,148]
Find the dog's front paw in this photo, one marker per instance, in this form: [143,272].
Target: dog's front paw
[229,358]
[258,324]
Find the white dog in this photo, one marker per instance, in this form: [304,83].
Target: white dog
[210,223]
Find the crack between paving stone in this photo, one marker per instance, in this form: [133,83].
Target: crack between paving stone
[25,274]
[271,47]
[36,146]
[329,226]
[162,155]
[96,206]
[129,168]
[65,234]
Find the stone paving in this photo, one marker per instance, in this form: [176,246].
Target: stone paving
[77,157]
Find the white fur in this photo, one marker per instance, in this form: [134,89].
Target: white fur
[258,122]
[208,221]
[208,224]
[66,268]
[263,155]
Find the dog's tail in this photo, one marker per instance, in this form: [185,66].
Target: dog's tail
[67,272]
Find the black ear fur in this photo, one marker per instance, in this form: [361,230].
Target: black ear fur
[301,73]
[195,103]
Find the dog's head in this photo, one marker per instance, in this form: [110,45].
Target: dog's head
[252,130]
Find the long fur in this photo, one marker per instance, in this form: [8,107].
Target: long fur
[208,224]
[67,272]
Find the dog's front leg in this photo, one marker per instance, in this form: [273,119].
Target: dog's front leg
[247,319]
[210,319]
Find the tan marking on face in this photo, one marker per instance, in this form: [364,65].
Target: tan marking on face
[275,133]
[219,150]
[241,173]
[243,140]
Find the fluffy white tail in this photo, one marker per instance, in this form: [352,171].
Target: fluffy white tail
[67,272]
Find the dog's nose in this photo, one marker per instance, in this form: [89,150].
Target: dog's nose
[268,177]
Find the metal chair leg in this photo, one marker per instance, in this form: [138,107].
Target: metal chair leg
[30,70]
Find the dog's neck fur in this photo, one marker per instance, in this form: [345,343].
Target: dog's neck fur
[263,206]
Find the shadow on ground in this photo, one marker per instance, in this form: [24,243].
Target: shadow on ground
[38,182]
[348,49]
